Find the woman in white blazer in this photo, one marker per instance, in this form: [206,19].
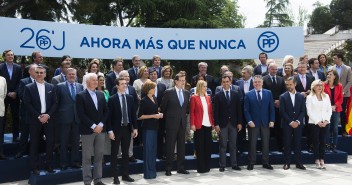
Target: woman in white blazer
[319,112]
[3,90]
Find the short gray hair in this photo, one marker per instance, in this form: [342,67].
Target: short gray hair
[202,64]
[249,69]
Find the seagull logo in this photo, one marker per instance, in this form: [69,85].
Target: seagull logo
[268,41]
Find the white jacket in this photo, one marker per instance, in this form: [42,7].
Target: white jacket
[318,110]
[3,91]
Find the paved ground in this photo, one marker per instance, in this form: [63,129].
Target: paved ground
[340,174]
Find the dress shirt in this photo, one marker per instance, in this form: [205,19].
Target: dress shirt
[339,69]
[246,85]
[206,121]
[271,77]
[120,98]
[93,95]
[116,74]
[70,87]
[315,74]
[32,79]
[178,92]
[9,69]
[293,96]
[264,68]
[63,76]
[303,80]
[229,93]
[41,90]
[156,91]
[260,92]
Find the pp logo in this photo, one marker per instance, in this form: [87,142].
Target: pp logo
[268,41]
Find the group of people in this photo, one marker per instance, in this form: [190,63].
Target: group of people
[150,106]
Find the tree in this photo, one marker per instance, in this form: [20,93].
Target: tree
[321,20]
[276,14]
[341,10]
[302,16]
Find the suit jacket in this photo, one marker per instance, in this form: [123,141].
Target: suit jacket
[299,86]
[66,105]
[318,110]
[161,91]
[174,113]
[32,103]
[289,112]
[345,79]
[338,96]
[3,91]
[225,112]
[115,115]
[88,114]
[57,79]
[133,76]
[235,88]
[131,91]
[196,111]
[276,89]
[23,83]
[260,115]
[240,83]
[13,83]
[321,75]
[258,70]
[110,81]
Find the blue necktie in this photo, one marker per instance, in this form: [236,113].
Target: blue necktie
[227,96]
[180,97]
[73,92]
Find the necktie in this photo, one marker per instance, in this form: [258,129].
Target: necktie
[124,111]
[274,80]
[135,71]
[259,98]
[227,97]
[180,97]
[304,82]
[73,92]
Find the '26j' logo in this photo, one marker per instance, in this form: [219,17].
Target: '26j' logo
[41,40]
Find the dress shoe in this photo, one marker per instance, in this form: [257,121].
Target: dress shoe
[221,169]
[237,168]
[183,172]
[49,169]
[116,181]
[63,167]
[19,155]
[76,165]
[35,172]
[250,167]
[268,166]
[132,159]
[127,178]
[168,173]
[3,157]
[99,183]
[287,166]
[300,166]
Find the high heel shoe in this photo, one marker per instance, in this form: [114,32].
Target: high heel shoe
[317,164]
[322,165]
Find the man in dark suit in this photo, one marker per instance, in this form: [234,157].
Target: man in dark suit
[233,87]
[12,73]
[259,121]
[117,65]
[24,123]
[68,119]
[61,77]
[202,67]
[227,121]
[314,69]
[262,67]
[159,93]
[303,83]
[122,124]
[174,106]
[92,112]
[37,59]
[292,110]
[156,65]
[40,101]
[276,85]
[133,71]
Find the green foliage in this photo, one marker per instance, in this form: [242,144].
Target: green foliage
[341,10]
[321,20]
[277,14]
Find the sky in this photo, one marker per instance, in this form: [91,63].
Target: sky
[255,10]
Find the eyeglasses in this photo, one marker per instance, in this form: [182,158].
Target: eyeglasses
[39,72]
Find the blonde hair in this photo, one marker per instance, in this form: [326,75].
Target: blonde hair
[199,86]
[315,83]
[141,71]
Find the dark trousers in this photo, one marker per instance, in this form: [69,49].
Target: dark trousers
[252,137]
[174,134]
[35,129]
[343,114]
[318,139]
[307,131]
[15,106]
[294,134]
[123,137]
[202,144]
[161,138]
[228,134]
[149,153]
[277,130]
[1,134]
[69,136]
[24,132]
